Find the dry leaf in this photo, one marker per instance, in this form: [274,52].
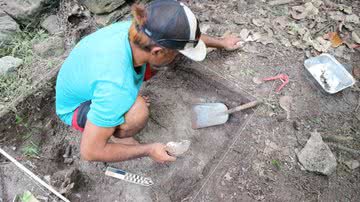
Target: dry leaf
[285,104]
[334,38]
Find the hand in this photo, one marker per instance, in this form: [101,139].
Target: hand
[158,153]
[231,42]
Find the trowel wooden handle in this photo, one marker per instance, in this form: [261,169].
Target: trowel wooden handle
[244,106]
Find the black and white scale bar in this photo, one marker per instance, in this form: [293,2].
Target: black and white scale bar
[129,177]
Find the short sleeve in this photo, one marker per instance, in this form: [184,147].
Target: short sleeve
[109,104]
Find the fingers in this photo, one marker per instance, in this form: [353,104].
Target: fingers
[170,158]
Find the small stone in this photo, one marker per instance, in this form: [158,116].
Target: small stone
[47,178]
[257,80]
[68,160]
[9,64]
[316,156]
[227,176]
[296,125]
[346,9]
[352,164]
[244,33]
[51,24]
[258,22]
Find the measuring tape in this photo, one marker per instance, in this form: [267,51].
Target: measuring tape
[129,177]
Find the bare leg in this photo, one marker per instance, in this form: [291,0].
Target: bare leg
[135,120]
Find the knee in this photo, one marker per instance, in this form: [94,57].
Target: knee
[135,119]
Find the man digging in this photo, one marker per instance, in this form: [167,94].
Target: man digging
[97,88]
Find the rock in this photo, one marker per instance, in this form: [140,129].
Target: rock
[279,2]
[178,148]
[8,26]
[352,19]
[51,24]
[9,64]
[352,164]
[27,11]
[257,80]
[244,33]
[102,6]
[345,9]
[106,19]
[258,22]
[50,47]
[227,177]
[316,156]
[65,180]
[308,11]
[355,35]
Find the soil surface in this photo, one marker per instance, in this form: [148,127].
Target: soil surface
[250,158]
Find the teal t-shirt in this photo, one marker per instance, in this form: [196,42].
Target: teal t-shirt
[100,68]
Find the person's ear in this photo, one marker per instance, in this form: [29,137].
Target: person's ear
[156,50]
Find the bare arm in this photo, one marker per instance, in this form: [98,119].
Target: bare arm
[228,42]
[94,146]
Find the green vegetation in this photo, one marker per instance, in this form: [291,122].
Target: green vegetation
[20,45]
[27,197]
[276,164]
[31,150]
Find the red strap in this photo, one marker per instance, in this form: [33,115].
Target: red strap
[74,122]
[148,72]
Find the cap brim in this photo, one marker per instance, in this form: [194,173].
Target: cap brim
[197,53]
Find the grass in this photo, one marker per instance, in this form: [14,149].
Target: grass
[20,46]
[247,72]
[31,150]
[276,164]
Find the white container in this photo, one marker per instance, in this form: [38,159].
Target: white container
[329,73]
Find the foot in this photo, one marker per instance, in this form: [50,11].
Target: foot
[127,140]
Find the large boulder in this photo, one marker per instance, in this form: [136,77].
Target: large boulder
[9,64]
[7,26]
[316,156]
[26,11]
[106,19]
[102,6]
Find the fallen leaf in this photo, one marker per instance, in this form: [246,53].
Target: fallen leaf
[244,33]
[285,103]
[355,37]
[356,72]
[345,9]
[334,38]
[308,11]
[352,19]
[258,22]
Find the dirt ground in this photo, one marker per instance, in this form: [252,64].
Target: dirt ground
[250,158]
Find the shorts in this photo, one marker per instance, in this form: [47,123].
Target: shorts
[80,116]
